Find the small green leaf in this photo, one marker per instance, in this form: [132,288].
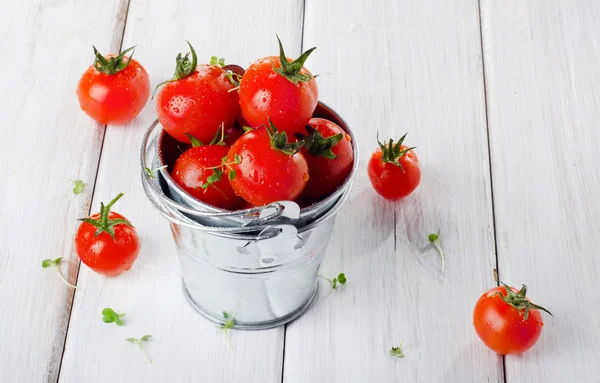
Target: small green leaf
[145,337]
[110,316]
[133,340]
[341,278]
[226,314]
[433,237]
[194,141]
[47,263]
[78,186]
[149,172]
[232,174]
[229,323]
[237,159]
[222,61]
[397,351]
[247,129]
[57,260]
[214,60]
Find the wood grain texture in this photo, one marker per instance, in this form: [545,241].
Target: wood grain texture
[396,67]
[45,139]
[541,60]
[186,347]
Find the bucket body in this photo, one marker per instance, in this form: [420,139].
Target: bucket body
[261,282]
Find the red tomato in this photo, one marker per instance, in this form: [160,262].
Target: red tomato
[510,324]
[328,151]
[107,242]
[197,101]
[200,172]
[394,170]
[114,89]
[287,94]
[270,168]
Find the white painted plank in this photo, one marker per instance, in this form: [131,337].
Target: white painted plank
[44,139]
[394,67]
[186,346]
[541,60]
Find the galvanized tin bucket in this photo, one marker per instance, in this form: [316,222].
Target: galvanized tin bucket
[169,149]
[263,272]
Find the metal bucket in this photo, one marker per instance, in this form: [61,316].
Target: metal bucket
[264,274]
[169,149]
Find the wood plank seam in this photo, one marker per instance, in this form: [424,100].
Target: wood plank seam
[124,5]
[487,125]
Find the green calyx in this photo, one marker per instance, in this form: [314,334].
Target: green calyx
[279,141]
[291,70]
[103,224]
[317,145]
[183,67]
[392,153]
[218,139]
[519,301]
[112,65]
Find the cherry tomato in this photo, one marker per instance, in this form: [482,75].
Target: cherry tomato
[201,172]
[328,151]
[198,100]
[506,321]
[114,89]
[271,169]
[107,242]
[394,170]
[280,89]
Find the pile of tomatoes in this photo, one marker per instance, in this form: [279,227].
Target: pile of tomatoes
[253,137]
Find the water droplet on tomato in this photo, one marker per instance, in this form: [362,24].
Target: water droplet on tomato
[305,176]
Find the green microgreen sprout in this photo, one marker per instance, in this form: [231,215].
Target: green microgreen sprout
[214,60]
[397,351]
[229,324]
[219,171]
[78,186]
[341,279]
[435,241]
[139,342]
[54,264]
[150,172]
[110,316]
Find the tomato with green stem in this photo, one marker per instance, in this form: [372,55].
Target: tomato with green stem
[204,172]
[394,170]
[107,242]
[507,321]
[279,89]
[114,89]
[328,151]
[271,168]
[198,99]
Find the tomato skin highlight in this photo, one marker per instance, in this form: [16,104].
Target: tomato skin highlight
[502,327]
[265,174]
[102,253]
[389,180]
[192,169]
[117,98]
[198,104]
[326,175]
[266,94]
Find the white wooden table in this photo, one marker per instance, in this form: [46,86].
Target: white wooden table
[500,97]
